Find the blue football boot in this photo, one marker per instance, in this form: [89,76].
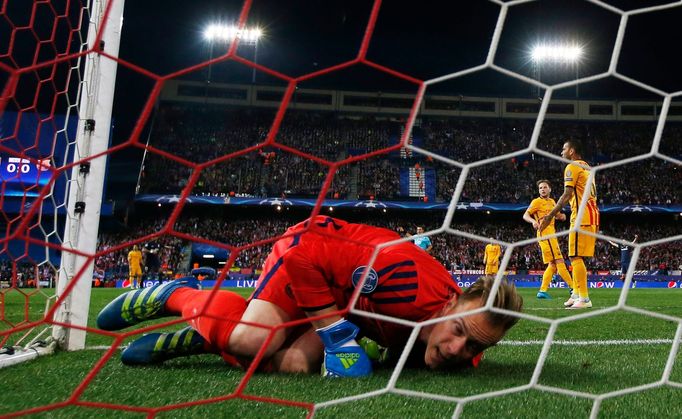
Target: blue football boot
[343,361]
[154,348]
[542,295]
[139,305]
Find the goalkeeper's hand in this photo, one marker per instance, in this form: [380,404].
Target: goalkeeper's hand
[378,354]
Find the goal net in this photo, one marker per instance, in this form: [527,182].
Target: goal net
[56,112]
[58,66]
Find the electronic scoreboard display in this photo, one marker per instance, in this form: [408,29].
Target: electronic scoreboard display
[23,177]
[35,145]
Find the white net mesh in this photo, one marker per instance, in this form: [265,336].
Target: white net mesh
[72,84]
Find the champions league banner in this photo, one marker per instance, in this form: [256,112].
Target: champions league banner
[526,281]
[465,280]
[223,199]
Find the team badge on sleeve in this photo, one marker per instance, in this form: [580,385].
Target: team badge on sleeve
[370,283]
[568,175]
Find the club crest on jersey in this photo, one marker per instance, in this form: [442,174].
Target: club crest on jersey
[370,283]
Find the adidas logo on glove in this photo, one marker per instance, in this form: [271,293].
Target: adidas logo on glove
[347,359]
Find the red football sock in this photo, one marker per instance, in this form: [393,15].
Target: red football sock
[226,309]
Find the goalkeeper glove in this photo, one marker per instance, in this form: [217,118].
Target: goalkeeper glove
[343,357]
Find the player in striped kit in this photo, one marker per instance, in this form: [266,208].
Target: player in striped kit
[580,245]
[310,273]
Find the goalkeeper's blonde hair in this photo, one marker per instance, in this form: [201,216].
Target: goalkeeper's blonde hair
[507,298]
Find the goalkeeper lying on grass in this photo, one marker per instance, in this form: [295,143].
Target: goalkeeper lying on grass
[311,274]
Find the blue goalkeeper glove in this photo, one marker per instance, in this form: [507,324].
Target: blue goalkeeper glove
[343,357]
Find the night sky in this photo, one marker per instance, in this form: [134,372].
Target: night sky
[425,40]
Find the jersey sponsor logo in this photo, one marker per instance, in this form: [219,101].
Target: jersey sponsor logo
[370,283]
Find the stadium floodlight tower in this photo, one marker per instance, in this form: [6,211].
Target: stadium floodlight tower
[557,57]
[219,33]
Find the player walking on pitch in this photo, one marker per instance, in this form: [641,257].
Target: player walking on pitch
[491,258]
[135,267]
[580,245]
[551,253]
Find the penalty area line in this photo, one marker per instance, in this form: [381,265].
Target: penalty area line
[612,342]
[564,308]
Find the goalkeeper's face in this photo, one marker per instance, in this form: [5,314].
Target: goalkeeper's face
[455,342]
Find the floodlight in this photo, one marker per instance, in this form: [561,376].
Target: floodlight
[557,53]
[228,33]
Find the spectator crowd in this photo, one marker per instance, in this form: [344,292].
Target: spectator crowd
[204,134]
[165,256]
[455,252]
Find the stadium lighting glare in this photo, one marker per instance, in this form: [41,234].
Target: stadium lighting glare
[557,53]
[228,33]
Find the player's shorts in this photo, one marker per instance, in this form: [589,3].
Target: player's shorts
[274,284]
[582,245]
[491,269]
[135,271]
[550,250]
[291,258]
[624,266]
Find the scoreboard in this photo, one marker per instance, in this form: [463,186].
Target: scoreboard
[24,177]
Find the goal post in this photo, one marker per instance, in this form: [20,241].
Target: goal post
[87,180]
[82,85]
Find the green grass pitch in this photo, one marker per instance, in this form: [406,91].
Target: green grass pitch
[616,351]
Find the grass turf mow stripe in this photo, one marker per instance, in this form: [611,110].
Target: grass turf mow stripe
[608,342]
[596,355]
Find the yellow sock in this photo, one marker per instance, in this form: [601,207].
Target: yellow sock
[563,273]
[547,277]
[580,277]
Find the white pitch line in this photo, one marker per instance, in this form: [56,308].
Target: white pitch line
[564,309]
[612,342]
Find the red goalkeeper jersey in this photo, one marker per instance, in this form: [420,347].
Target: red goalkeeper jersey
[310,271]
